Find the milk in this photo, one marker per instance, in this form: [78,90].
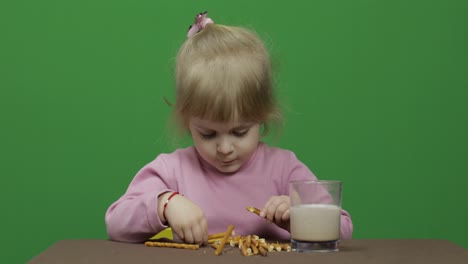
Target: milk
[315,222]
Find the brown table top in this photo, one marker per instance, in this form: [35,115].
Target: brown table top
[351,251]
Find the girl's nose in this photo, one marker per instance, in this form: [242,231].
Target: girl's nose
[225,146]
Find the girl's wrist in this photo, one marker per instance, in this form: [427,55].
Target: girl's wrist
[162,198]
[163,202]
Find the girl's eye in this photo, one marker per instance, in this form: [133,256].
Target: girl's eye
[240,133]
[207,136]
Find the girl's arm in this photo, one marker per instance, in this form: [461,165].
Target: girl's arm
[346,228]
[134,216]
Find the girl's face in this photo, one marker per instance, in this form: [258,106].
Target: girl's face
[226,146]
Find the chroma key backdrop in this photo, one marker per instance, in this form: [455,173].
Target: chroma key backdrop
[374,94]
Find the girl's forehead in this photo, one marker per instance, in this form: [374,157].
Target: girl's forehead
[216,125]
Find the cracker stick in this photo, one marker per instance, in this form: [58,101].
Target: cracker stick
[235,241]
[271,248]
[243,248]
[265,246]
[248,241]
[255,240]
[214,246]
[262,250]
[253,210]
[171,245]
[286,247]
[223,242]
[217,235]
[254,249]
[277,247]
[214,241]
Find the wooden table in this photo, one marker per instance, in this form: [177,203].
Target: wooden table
[351,251]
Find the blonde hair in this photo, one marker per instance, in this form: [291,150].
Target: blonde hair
[224,73]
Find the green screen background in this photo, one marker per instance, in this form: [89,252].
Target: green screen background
[374,94]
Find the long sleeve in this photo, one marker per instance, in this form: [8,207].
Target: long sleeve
[134,217]
[346,228]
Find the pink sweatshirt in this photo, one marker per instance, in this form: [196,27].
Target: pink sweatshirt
[222,197]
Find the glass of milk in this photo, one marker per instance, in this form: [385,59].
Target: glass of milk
[315,215]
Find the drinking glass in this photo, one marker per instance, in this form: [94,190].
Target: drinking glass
[315,215]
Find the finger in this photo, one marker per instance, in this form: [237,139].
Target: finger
[263,211]
[282,207]
[197,234]
[271,210]
[179,233]
[188,235]
[286,215]
[204,227]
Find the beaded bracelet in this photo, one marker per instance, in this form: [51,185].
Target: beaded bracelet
[166,202]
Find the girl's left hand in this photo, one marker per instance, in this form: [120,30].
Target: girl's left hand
[276,210]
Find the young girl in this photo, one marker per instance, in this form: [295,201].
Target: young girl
[225,100]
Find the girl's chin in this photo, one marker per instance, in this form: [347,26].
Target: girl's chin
[231,168]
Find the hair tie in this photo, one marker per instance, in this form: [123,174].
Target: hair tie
[200,23]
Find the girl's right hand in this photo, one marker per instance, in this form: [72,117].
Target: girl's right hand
[186,219]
